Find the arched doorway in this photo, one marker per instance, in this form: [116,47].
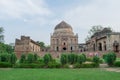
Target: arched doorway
[57,48]
[100,46]
[116,46]
[64,48]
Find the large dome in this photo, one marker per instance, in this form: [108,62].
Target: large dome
[63,25]
[63,29]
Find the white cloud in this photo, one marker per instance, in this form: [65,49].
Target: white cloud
[21,8]
[104,12]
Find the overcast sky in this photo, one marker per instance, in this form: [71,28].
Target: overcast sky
[37,18]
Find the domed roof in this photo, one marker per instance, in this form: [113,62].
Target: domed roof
[62,25]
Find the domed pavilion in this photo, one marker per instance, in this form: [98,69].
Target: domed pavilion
[63,38]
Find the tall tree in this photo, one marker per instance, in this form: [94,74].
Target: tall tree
[1,34]
[93,30]
[42,44]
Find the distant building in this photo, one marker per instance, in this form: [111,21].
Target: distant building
[26,45]
[82,47]
[63,39]
[104,40]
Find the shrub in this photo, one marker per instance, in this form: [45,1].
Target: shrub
[96,59]
[4,57]
[80,59]
[89,59]
[84,57]
[22,58]
[63,59]
[29,65]
[65,66]
[47,58]
[72,58]
[13,58]
[5,65]
[35,57]
[54,65]
[110,58]
[117,63]
[85,65]
[30,58]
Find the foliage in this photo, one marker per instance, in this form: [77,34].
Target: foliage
[53,64]
[110,58]
[13,58]
[42,44]
[85,65]
[35,57]
[72,58]
[96,59]
[30,58]
[5,64]
[93,30]
[22,58]
[4,48]
[80,59]
[117,63]
[84,57]
[29,65]
[63,59]
[47,58]
[4,57]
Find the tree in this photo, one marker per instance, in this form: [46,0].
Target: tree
[93,30]
[1,35]
[80,59]
[35,57]
[47,58]
[110,58]
[5,48]
[63,59]
[13,58]
[42,44]
[30,58]
[22,58]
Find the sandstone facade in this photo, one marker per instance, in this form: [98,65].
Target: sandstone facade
[105,40]
[26,45]
[63,39]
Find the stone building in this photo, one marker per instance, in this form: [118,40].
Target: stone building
[104,40]
[82,47]
[26,45]
[63,38]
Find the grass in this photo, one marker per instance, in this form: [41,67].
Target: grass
[58,74]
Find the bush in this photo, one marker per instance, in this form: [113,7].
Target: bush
[117,63]
[63,59]
[86,65]
[54,65]
[47,58]
[80,59]
[89,59]
[5,65]
[29,65]
[4,57]
[110,58]
[30,58]
[22,58]
[96,59]
[84,57]
[72,58]
[35,57]
[13,58]
[65,66]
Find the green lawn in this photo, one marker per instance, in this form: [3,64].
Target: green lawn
[58,74]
